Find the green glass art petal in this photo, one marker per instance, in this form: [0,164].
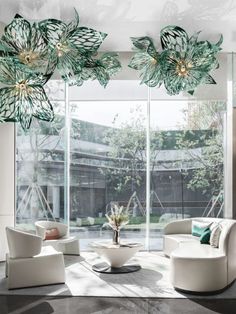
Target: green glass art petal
[87,40]
[148,61]
[73,24]
[101,69]
[8,105]
[18,33]
[110,62]
[53,31]
[174,38]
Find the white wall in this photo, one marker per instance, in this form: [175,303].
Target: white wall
[7,184]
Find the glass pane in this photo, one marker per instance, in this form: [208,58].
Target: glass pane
[40,166]
[187,159]
[108,166]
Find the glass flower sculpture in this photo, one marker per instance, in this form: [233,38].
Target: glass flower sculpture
[182,65]
[74,48]
[25,43]
[23,97]
[29,55]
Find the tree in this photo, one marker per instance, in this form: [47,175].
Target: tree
[206,152]
[127,152]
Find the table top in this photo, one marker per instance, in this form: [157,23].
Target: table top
[109,245]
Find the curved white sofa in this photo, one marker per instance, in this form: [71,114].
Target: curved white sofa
[200,267]
[65,244]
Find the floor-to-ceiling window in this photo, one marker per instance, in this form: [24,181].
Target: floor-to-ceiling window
[107,160]
[40,164]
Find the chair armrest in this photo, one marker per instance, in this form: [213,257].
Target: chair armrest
[179,226]
[22,244]
[40,231]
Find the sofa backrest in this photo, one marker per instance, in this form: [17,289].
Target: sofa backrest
[227,227]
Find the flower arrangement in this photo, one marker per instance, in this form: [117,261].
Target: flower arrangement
[117,218]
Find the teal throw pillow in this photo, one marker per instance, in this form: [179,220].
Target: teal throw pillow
[198,227]
[205,237]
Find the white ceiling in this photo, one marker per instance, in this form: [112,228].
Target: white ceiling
[124,18]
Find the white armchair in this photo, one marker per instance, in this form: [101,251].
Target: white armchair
[29,264]
[65,243]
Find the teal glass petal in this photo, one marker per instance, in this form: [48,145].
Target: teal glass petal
[68,65]
[102,75]
[101,69]
[73,24]
[148,61]
[18,33]
[41,106]
[110,62]
[145,44]
[8,105]
[174,38]
[53,31]
[87,40]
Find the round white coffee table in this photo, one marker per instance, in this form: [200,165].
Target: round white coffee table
[116,256]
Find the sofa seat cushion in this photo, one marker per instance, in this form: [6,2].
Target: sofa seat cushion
[198,267]
[173,241]
[196,251]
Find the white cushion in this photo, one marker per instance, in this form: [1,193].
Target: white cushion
[215,235]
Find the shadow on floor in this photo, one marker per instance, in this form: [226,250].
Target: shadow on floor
[89,305]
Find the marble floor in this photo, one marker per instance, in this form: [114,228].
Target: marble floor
[146,291]
[151,281]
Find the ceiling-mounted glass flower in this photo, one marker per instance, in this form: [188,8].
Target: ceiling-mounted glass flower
[24,97]
[147,60]
[24,42]
[183,64]
[101,69]
[73,46]
[187,61]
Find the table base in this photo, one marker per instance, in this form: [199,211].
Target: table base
[107,269]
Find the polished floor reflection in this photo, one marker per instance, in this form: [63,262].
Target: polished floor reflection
[102,305]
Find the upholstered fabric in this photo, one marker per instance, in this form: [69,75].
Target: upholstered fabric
[215,235]
[198,267]
[43,225]
[199,227]
[28,266]
[52,234]
[205,237]
[65,244]
[22,244]
[173,241]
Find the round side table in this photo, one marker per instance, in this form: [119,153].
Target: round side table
[116,256]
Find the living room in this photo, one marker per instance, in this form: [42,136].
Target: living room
[117,157]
